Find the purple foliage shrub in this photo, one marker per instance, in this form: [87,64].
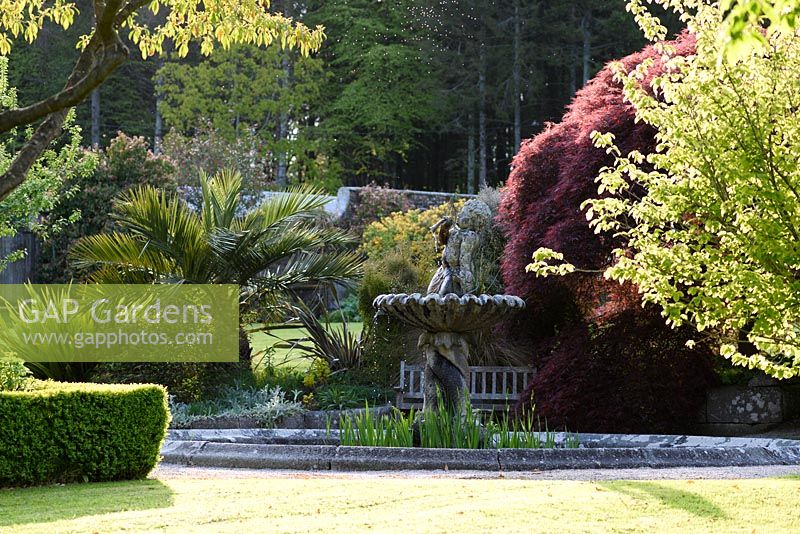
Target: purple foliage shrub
[605,363]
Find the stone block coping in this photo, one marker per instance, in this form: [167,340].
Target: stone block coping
[279,449]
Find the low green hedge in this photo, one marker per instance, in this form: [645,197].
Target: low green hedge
[59,432]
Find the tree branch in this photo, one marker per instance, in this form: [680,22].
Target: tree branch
[106,20]
[30,152]
[130,8]
[103,60]
[101,57]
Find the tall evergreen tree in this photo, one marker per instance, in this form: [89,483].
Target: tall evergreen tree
[401,94]
[380,95]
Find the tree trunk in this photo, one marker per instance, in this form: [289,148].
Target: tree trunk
[573,52]
[482,120]
[95,106]
[585,22]
[283,117]
[495,160]
[283,128]
[471,155]
[517,78]
[158,131]
[280,170]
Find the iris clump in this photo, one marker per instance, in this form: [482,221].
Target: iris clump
[439,428]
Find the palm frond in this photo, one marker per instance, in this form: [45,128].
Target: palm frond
[108,274]
[248,253]
[167,225]
[296,204]
[269,250]
[221,196]
[118,257]
[308,269]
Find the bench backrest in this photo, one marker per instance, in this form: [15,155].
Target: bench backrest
[489,386]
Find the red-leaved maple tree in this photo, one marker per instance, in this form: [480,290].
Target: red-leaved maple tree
[605,363]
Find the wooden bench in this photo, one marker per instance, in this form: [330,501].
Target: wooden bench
[490,387]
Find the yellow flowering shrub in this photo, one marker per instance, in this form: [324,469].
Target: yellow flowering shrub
[318,373]
[408,231]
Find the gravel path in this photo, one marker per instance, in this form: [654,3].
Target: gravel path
[173,471]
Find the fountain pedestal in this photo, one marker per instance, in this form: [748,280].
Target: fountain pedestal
[446,368]
[446,321]
[450,311]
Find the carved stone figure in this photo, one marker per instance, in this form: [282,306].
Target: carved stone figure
[456,274]
[450,310]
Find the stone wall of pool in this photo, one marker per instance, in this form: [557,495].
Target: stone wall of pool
[318,450]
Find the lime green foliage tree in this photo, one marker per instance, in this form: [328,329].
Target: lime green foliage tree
[257,97]
[710,222]
[42,192]
[748,24]
[211,24]
[268,250]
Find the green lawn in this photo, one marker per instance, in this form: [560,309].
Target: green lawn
[284,357]
[405,505]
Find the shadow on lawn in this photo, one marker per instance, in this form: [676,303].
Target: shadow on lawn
[20,506]
[672,497]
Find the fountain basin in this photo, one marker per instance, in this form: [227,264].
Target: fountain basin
[448,313]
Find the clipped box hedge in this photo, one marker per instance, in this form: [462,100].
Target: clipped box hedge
[61,432]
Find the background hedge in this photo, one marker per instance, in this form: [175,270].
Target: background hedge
[80,432]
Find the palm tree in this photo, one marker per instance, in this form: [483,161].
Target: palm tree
[268,250]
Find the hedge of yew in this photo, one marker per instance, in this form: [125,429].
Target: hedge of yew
[60,432]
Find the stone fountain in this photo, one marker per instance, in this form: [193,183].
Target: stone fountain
[450,310]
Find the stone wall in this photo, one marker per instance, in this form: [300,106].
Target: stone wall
[764,402]
[347,200]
